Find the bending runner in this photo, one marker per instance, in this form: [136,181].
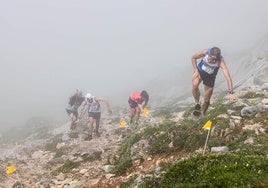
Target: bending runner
[72,110]
[206,71]
[137,101]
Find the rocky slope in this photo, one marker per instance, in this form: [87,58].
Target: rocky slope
[129,156]
[66,160]
[248,68]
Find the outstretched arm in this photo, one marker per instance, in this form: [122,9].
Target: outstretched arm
[106,103]
[228,79]
[140,107]
[144,104]
[81,109]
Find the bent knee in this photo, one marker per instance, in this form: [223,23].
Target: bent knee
[206,102]
[196,80]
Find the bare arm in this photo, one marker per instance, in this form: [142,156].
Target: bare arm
[106,103]
[144,105]
[227,77]
[140,107]
[81,109]
[197,56]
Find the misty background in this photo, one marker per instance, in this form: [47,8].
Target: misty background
[111,48]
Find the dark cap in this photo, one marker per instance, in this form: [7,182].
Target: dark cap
[215,51]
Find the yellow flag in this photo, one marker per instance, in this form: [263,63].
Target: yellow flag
[145,112]
[122,123]
[10,169]
[207,125]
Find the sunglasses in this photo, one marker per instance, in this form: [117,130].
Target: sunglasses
[213,58]
[89,99]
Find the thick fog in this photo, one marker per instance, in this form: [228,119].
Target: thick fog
[110,48]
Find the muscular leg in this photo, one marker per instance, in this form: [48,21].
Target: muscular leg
[132,114]
[91,122]
[137,114]
[73,121]
[97,126]
[207,96]
[196,80]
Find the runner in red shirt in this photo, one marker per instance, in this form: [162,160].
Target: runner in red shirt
[137,102]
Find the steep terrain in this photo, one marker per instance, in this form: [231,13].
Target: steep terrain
[142,156]
[163,150]
[246,69]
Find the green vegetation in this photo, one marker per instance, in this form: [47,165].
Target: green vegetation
[93,157]
[251,95]
[62,151]
[125,161]
[129,182]
[122,166]
[260,146]
[229,170]
[52,145]
[260,118]
[163,112]
[244,166]
[74,134]
[18,184]
[179,134]
[186,136]
[67,167]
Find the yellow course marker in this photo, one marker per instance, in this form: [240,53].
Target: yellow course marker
[10,169]
[207,125]
[122,123]
[145,112]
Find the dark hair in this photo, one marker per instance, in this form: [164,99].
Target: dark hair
[145,95]
[215,51]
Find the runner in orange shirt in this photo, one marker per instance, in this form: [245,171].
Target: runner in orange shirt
[137,102]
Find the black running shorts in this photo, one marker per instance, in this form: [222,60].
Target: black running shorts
[95,115]
[132,103]
[207,79]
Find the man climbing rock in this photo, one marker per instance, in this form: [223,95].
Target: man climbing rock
[206,71]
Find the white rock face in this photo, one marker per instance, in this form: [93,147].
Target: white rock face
[220,149]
